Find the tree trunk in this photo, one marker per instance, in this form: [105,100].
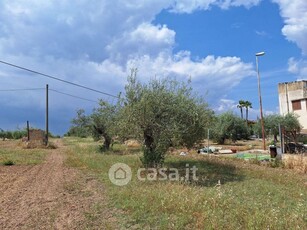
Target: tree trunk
[275,138]
[153,156]
[106,137]
[107,141]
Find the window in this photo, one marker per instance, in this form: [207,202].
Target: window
[296,105]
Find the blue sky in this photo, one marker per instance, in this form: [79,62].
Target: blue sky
[96,43]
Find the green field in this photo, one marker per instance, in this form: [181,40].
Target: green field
[230,193]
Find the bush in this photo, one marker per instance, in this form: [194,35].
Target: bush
[302,138]
[229,126]
[17,134]
[8,163]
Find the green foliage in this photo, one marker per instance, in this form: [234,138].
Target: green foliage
[229,126]
[103,123]
[80,125]
[276,162]
[302,138]
[247,105]
[289,122]
[244,104]
[240,106]
[16,134]
[161,113]
[8,163]
[271,124]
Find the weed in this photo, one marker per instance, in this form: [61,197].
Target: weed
[276,162]
[8,162]
[51,145]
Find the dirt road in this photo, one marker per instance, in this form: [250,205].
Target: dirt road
[51,196]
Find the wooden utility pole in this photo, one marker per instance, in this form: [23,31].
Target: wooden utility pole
[28,130]
[47,113]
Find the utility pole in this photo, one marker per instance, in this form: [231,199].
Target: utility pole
[28,130]
[47,114]
[282,147]
[260,100]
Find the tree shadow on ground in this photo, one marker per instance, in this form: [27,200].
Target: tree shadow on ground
[209,172]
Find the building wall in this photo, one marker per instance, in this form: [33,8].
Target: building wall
[291,95]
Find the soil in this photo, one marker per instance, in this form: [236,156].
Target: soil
[51,195]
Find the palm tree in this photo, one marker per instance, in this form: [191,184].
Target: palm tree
[247,105]
[240,106]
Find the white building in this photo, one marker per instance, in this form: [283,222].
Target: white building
[293,98]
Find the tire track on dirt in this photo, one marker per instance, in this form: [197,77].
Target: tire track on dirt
[50,196]
[8,176]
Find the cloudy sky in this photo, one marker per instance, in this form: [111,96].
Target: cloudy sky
[96,42]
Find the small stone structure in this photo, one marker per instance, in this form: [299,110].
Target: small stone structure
[36,138]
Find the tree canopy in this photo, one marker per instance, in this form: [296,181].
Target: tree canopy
[288,122]
[81,125]
[161,113]
[229,126]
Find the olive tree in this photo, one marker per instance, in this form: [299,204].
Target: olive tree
[80,125]
[103,122]
[229,126]
[289,123]
[160,113]
[272,123]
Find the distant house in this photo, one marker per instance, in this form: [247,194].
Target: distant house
[293,98]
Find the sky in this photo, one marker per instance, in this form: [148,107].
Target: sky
[96,43]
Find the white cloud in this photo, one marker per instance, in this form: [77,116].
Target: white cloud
[293,65]
[188,6]
[146,39]
[262,33]
[96,44]
[294,13]
[230,3]
[225,105]
[213,75]
[298,67]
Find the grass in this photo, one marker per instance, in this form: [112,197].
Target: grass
[230,193]
[19,156]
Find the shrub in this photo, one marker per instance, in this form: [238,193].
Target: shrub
[8,162]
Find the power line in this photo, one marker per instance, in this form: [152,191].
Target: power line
[11,90]
[31,89]
[58,79]
[67,94]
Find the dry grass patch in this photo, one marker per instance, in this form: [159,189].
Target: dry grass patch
[12,151]
[296,162]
